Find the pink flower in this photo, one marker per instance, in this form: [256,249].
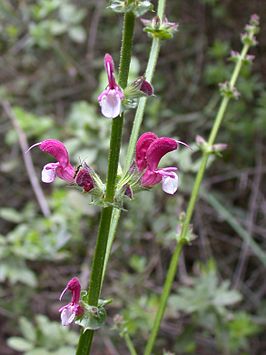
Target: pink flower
[63,168]
[149,151]
[110,99]
[72,309]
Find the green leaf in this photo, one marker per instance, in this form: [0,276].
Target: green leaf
[63,351]
[227,297]
[10,215]
[19,344]
[27,329]
[38,351]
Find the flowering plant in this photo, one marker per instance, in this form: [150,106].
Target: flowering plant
[86,308]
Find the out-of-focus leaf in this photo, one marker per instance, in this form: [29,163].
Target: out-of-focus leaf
[77,34]
[27,329]
[19,344]
[10,215]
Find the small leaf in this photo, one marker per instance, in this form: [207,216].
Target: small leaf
[103,303]
[27,329]
[19,344]
[10,215]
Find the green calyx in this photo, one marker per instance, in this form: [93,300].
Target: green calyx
[134,91]
[138,7]
[228,90]
[93,317]
[161,29]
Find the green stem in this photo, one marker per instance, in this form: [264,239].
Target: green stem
[142,103]
[161,8]
[133,139]
[166,290]
[85,340]
[152,61]
[130,345]
[112,232]
[191,205]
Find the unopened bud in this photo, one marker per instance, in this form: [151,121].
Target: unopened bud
[234,56]
[219,147]
[118,319]
[200,140]
[254,20]
[129,192]
[140,87]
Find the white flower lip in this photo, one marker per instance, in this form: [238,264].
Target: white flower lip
[170,184]
[49,172]
[111,104]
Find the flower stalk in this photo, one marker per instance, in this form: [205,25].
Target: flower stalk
[152,61]
[85,341]
[182,238]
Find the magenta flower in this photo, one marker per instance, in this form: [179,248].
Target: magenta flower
[110,99]
[63,168]
[72,309]
[149,151]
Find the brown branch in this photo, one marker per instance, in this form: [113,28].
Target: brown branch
[24,146]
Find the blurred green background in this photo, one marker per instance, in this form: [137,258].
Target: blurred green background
[51,71]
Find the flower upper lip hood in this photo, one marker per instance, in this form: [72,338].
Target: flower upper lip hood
[110,68]
[74,286]
[110,99]
[149,151]
[56,149]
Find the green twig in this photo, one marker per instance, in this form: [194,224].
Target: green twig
[130,344]
[115,143]
[191,205]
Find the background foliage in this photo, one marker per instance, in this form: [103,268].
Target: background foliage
[51,70]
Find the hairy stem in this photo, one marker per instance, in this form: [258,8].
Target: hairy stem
[85,341]
[190,209]
[142,104]
[152,61]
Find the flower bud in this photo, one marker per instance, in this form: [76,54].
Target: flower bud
[140,87]
[228,90]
